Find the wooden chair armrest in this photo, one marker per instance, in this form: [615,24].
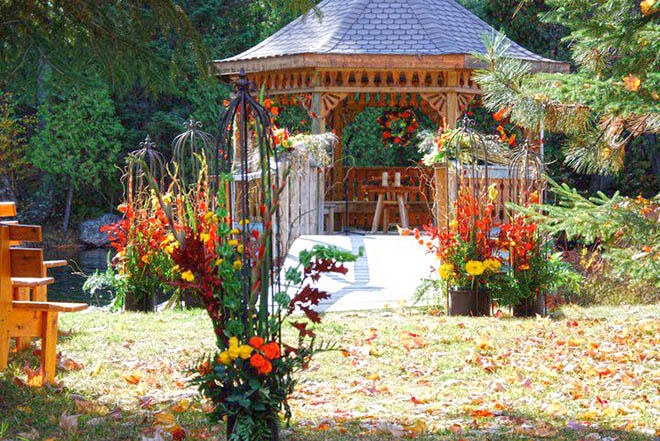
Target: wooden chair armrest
[31,282]
[49,306]
[48,264]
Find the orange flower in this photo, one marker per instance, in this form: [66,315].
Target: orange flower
[499,115]
[256,342]
[271,351]
[275,111]
[258,361]
[266,368]
[268,103]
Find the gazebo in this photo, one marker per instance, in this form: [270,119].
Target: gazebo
[378,53]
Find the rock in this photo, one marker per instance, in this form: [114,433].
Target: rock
[89,230]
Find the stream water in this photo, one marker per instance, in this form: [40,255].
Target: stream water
[69,279]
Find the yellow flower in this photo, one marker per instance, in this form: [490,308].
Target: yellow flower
[167,199]
[493,192]
[145,258]
[244,351]
[446,270]
[238,264]
[647,6]
[233,352]
[493,265]
[205,237]
[225,358]
[244,222]
[234,231]
[169,249]
[219,262]
[453,224]
[239,248]
[524,267]
[208,216]
[474,268]
[233,342]
[232,243]
[188,276]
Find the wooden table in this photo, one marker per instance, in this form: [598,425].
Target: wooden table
[401,193]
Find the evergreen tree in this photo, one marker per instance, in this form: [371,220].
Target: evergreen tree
[80,142]
[612,97]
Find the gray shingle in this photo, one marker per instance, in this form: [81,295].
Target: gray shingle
[390,27]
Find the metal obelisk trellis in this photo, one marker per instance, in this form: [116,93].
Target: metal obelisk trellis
[247,156]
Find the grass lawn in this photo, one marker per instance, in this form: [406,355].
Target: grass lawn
[591,374]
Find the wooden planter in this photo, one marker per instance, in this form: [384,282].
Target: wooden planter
[468,302]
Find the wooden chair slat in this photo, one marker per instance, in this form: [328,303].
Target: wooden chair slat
[48,264]
[31,282]
[26,262]
[7,209]
[25,233]
[50,306]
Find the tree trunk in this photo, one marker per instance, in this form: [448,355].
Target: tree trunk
[67,209]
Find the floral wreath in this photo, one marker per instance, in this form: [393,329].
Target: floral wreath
[398,126]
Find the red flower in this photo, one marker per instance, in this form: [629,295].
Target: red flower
[271,351]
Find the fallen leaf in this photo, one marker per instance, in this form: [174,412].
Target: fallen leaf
[132,379]
[71,365]
[68,423]
[29,436]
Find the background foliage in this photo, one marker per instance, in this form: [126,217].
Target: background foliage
[152,81]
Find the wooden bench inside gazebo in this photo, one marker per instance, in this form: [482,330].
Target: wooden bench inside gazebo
[375,53]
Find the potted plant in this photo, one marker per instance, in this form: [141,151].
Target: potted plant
[465,248]
[532,270]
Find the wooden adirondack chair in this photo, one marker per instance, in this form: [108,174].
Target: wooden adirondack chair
[35,289]
[22,318]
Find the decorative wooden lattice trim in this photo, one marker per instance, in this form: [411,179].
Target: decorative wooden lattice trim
[355,81]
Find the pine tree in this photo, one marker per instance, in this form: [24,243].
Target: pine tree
[612,97]
[625,230]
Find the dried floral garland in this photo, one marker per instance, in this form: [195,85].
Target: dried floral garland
[398,127]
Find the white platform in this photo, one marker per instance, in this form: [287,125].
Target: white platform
[385,276]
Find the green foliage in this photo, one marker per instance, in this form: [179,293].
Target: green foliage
[626,230]
[80,139]
[14,130]
[613,96]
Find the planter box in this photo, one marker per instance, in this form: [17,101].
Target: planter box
[467,302]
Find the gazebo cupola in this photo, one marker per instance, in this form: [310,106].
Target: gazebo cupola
[383,53]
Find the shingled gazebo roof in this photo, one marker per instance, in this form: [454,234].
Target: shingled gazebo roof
[423,28]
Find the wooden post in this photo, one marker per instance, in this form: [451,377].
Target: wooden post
[6,296]
[452,100]
[441,194]
[48,344]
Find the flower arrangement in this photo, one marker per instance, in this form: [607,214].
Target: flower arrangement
[142,266]
[465,247]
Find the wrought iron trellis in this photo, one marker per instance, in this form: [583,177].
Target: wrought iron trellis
[248,159]
[146,156]
[192,150]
